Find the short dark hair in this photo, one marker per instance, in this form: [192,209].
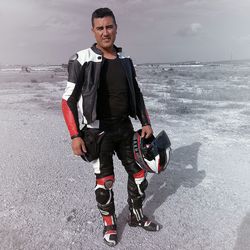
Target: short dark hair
[102,12]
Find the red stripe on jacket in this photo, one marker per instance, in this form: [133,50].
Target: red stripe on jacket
[69,118]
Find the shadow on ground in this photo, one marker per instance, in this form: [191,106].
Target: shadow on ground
[182,171]
[243,239]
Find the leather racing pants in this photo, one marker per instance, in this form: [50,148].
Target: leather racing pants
[118,139]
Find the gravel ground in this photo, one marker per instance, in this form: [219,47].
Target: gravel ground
[46,194]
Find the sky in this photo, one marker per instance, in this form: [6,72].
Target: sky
[150,31]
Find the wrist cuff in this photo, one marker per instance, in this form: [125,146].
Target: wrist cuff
[75,136]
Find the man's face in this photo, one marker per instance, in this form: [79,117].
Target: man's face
[104,30]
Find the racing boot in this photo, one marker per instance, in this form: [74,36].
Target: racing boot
[137,219]
[105,203]
[109,231]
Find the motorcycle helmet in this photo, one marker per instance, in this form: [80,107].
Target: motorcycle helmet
[152,154]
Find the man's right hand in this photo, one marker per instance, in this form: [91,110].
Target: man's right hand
[78,146]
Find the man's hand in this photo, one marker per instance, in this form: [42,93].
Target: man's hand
[78,146]
[146,131]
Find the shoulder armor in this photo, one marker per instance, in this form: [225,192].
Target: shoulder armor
[74,57]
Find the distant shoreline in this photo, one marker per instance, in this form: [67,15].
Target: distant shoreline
[190,62]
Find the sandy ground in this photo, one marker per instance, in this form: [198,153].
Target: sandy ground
[46,194]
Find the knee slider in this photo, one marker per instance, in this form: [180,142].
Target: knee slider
[103,190]
[105,201]
[102,195]
[108,184]
[105,182]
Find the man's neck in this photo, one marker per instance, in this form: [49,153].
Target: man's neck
[109,53]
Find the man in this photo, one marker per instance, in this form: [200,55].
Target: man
[102,83]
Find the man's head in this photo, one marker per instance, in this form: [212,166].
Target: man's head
[102,12]
[104,28]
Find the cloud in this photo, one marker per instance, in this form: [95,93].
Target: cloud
[64,26]
[191,30]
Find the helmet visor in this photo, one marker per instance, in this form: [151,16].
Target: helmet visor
[158,145]
[162,141]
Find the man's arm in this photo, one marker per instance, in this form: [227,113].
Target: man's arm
[69,104]
[142,112]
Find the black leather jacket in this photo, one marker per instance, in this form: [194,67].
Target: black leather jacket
[84,70]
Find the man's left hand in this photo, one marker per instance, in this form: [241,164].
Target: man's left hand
[146,131]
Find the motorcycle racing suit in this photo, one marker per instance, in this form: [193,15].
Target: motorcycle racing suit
[84,81]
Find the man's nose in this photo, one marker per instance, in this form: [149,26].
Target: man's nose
[105,31]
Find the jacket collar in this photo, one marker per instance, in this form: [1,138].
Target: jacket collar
[98,51]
